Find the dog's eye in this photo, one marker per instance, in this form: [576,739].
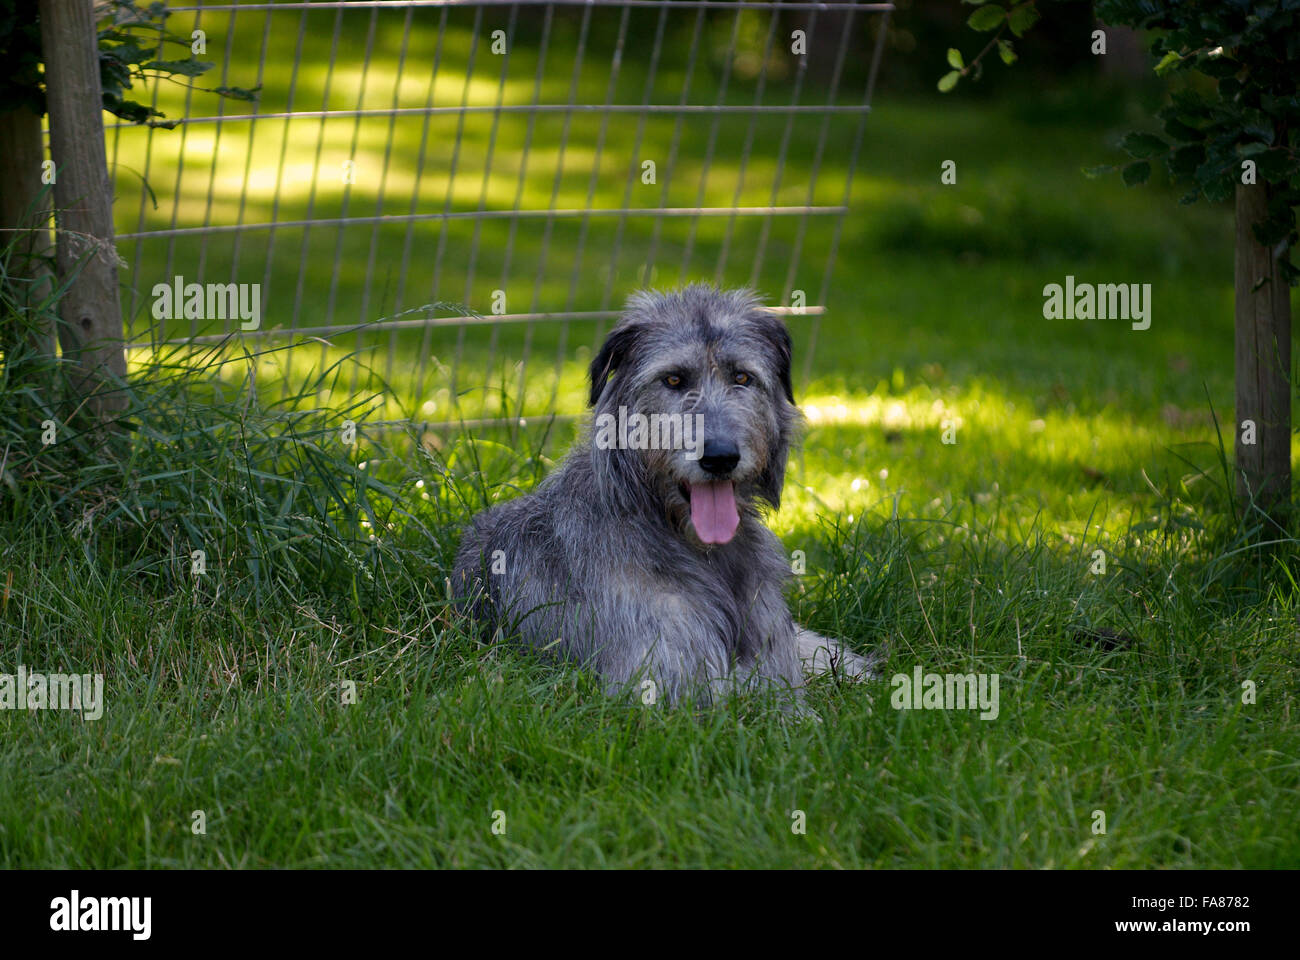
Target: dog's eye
[673,381]
[742,378]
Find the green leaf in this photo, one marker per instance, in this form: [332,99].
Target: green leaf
[237,93]
[1217,189]
[1145,145]
[1258,125]
[1007,52]
[987,18]
[949,80]
[1022,18]
[1136,173]
[1272,231]
[186,68]
[954,58]
[1182,131]
[1218,67]
[1093,173]
[1183,162]
[1276,166]
[1168,62]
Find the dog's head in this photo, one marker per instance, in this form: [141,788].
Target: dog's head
[694,408]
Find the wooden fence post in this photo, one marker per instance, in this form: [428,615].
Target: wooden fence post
[91,332]
[22,152]
[1263,360]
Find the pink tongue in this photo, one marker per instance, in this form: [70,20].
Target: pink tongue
[713,511]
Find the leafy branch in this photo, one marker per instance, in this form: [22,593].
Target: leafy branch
[1244,132]
[995,18]
[131,43]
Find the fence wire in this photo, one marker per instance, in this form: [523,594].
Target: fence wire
[463,192]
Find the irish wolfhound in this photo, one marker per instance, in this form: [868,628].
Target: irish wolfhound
[643,556]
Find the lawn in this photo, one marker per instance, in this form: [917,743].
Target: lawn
[225,692]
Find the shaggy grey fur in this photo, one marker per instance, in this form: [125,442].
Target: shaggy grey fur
[602,563]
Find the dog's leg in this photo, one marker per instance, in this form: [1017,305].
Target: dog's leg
[822,655]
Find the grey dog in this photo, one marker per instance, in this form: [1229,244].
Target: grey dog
[643,556]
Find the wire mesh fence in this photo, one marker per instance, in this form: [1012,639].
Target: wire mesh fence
[460,194]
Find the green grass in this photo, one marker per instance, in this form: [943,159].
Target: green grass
[326,563]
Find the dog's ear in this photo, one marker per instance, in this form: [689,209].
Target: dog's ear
[611,356]
[772,479]
[778,337]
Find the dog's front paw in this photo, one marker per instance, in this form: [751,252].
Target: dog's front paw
[821,655]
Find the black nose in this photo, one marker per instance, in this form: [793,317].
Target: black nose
[720,457]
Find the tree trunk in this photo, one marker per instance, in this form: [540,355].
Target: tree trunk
[22,152]
[1263,361]
[91,331]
